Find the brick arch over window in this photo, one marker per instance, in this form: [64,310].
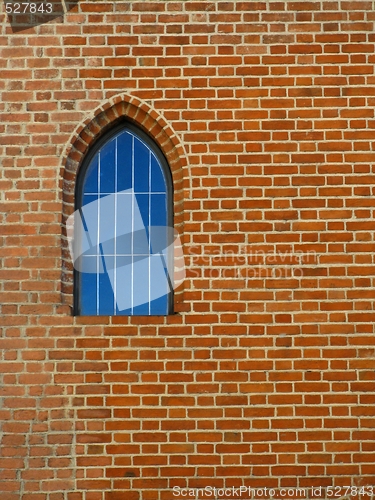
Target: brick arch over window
[138,112]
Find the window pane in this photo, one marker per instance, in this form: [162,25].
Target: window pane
[159,286]
[107,167]
[128,220]
[123,207]
[158,184]
[141,287]
[105,292]
[91,179]
[123,286]
[141,167]
[158,210]
[90,217]
[159,307]
[144,209]
[88,298]
[107,214]
[124,161]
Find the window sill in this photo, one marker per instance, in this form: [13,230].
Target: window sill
[172,319]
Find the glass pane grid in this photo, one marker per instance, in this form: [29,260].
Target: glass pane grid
[133,277]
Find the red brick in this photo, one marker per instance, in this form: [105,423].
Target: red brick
[264,112]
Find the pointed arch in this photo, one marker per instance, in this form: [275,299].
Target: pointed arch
[121,109]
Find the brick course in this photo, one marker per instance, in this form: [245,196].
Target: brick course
[264,377]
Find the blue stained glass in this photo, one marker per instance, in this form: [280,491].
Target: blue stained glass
[141,286]
[88,297]
[159,307]
[91,178]
[158,278]
[107,222]
[157,177]
[108,167]
[124,161]
[141,237]
[143,204]
[158,210]
[122,277]
[124,285]
[106,297]
[141,167]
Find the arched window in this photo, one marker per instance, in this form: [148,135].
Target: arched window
[122,233]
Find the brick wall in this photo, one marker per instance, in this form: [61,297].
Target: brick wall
[265,375]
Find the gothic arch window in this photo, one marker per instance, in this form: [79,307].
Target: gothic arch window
[122,229]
